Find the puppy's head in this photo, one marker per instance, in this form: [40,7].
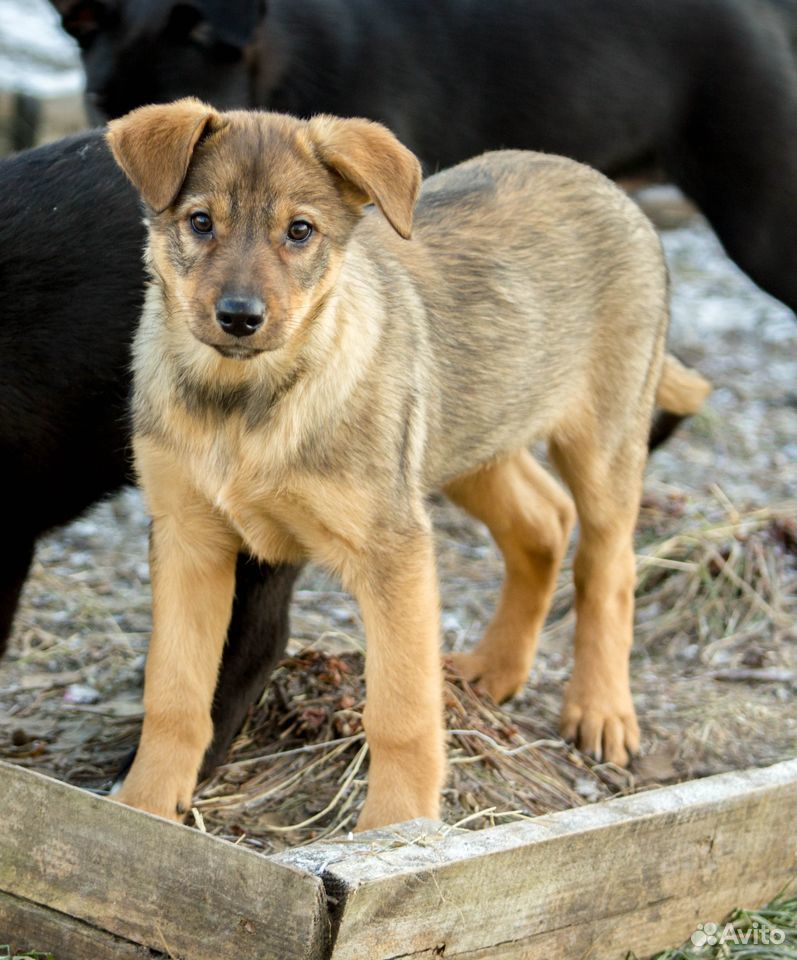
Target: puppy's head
[250,213]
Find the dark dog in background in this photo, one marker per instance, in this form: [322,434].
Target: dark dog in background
[703,90]
[787,11]
[73,281]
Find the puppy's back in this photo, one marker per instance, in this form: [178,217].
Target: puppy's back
[530,200]
[544,286]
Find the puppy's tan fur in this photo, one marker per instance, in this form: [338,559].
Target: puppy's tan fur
[531,303]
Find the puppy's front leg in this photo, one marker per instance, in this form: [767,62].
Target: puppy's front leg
[192,568]
[403,717]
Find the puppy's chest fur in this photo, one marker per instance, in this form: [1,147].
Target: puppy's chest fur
[282,511]
[249,452]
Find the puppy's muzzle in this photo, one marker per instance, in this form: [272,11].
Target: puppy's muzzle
[240,316]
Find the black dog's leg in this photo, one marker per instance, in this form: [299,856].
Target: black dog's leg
[662,428]
[758,227]
[14,565]
[738,161]
[256,640]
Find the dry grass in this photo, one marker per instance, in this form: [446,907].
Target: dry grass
[297,771]
[722,583]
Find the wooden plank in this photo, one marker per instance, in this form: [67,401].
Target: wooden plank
[636,873]
[26,926]
[151,881]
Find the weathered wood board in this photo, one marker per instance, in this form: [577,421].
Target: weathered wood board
[637,873]
[149,881]
[24,925]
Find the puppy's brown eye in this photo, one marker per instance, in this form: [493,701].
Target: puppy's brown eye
[299,231]
[201,223]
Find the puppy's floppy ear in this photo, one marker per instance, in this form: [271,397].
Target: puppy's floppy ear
[372,160]
[154,145]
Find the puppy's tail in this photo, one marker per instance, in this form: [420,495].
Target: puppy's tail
[681,393]
[681,390]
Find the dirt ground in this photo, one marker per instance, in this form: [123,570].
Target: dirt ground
[713,670]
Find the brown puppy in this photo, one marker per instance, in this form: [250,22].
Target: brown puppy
[305,375]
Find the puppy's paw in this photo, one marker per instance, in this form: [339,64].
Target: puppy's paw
[500,679]
[379,811]
[603,726]
[168,797]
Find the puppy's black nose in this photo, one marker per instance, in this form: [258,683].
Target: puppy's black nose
[240,316]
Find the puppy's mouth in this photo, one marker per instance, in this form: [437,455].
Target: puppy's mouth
[236,351]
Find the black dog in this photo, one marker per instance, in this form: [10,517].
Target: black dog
[704,90]
[72,280]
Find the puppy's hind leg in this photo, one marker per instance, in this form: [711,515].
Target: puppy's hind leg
[530,518]
[598,712]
